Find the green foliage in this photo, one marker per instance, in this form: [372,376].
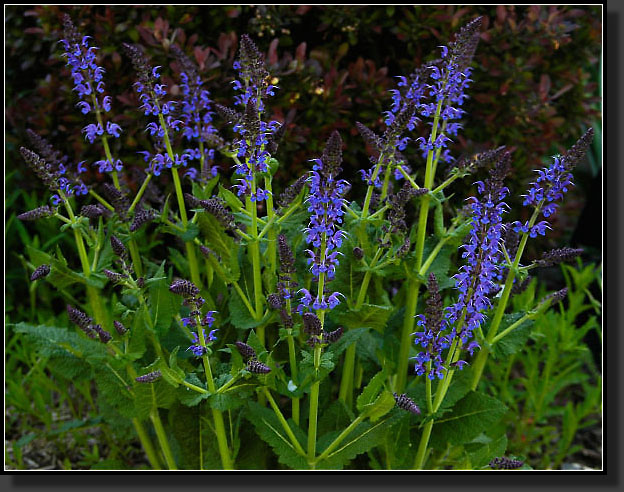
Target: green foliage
[269,429]
[470,416]
[365,437]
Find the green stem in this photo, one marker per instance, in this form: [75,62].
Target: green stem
[370,189]
[314,391]
[101,200]
[190,250]
[422,445]
[280,416]
[140,192]
[217,416]
[162,439]
[195,388]
[254,247]
[341,437]
[271,251]
[314,395]
[512,327]
[136,257]
[293,370]
[408,178]
[147,445]
[413,288]
[93,294]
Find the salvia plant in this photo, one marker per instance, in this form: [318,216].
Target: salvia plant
[222,315]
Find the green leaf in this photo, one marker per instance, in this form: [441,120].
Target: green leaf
[380,407]
[148,396]
[136,345]
[370,316]
[163,304]
[365,437]
[371,390]
[230,198]
[239,314]
[350,337]
[52,341]
[470,416]
[189,397]
[173,375]
[184,426]
[481,452]
[441,264]
[514,340]
[60,276]
[113,390]
[215,236]
[191,232]
[270,430]
[232,398]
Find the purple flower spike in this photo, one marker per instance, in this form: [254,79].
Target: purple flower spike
[325,204]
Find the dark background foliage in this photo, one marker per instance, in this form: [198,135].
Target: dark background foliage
[536,81]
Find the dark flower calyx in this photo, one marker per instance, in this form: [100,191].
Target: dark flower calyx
[37,213]
[287,259]
[118,247]
[312,324]
[40,272]
[313,341]
[78,317]
[433,309]
[358,253]
[118,200]
[205,251]
[333,336]
[573,156]
[41,168]
[465,44]
[252,61]
[369,136]
[215,207]
[142,217]
[332,155]
[251,120]
[406,403]
[245,350]
[105,336]
[556,297]
[287,320]
[505,464]
[556,256]
[257,367]
[479,160]
[274,301]
[121,329]
[150,377]
[184,288]
[92,211]
[114,276]
[292,192]
[192,201]
[404,249]
[229,115]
